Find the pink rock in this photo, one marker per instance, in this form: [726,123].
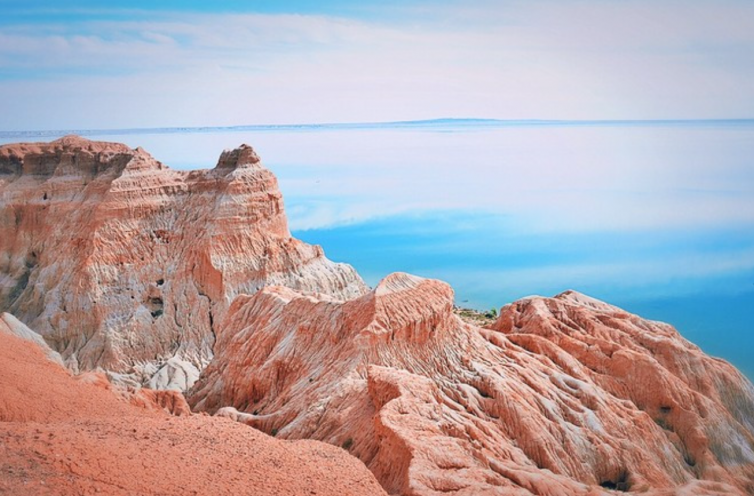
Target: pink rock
[141,275]
[66,436]
[566,395]
[124,264]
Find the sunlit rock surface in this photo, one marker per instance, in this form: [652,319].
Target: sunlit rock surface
[138,275]
[566,395]
[62,435]
[123,264]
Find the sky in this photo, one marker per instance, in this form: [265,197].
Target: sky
[154,64]
[658,219]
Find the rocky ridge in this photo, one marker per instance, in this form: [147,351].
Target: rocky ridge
[149,274]
[564,395]
[125,265]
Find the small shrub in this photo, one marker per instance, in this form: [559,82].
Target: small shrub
[347,444]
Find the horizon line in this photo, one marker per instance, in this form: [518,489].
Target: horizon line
[438,124]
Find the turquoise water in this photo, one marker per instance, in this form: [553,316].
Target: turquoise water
[655,217]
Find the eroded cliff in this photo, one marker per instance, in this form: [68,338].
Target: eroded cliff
[124,264]
[151,274]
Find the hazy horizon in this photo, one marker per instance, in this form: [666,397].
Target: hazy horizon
[96,65]
[453,122]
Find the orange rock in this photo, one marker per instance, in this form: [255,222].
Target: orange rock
[64,436]
[126,265]
[11,325]
[565,395]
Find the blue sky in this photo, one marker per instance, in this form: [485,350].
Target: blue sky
[151,64]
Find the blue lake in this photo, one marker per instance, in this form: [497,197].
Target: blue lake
[657,218]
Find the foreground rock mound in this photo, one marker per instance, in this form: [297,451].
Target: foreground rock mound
[563,396]
[65,436]
[123,264]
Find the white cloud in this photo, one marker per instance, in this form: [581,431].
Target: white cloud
[576,59]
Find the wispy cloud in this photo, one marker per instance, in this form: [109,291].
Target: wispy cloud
[575,59]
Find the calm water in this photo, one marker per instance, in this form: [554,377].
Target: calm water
[658,219]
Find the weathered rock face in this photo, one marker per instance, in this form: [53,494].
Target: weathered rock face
[63,435]
[126,265]
[566,395]
[703,405]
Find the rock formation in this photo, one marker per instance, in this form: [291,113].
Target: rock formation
[564,395]
[62,436]
[136,274]
[123,264]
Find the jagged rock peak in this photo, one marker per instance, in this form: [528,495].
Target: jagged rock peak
[399,281]
[581,299]
[242,156]
[129,266]
[408,307]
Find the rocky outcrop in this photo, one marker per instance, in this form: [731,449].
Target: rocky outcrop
[564,395]
[61,435]
[125,265]
[135,274]
[702,405]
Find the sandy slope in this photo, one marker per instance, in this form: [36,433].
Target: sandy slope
[65,436]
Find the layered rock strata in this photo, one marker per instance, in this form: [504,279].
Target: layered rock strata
[128,267]
[125,265]
[564,395]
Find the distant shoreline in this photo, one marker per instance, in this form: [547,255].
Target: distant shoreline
[430,124]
